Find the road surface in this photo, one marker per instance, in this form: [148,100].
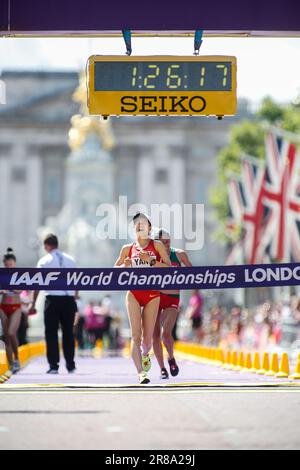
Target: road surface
[100,407]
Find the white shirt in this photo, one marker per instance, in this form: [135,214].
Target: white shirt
[107,304]
[57,260]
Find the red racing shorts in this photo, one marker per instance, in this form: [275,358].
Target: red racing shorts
[10,309]
[169,301]
[145,296]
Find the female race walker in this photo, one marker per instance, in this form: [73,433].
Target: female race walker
[10,314]
[142,306]
[168,310]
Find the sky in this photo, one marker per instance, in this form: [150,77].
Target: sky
[266,66]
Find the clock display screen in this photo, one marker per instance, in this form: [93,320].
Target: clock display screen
[163,76]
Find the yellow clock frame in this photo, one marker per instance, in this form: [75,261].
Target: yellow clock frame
[196,103]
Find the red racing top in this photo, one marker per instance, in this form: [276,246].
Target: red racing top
[135,252]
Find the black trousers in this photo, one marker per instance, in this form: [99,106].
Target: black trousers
[60,312]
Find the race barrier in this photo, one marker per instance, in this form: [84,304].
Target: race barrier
[26,353]
[241,362]
[122,279]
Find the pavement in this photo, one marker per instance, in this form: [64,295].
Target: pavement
[102,407]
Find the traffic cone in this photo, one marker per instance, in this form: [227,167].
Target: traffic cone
[241,362]
[265,365]
[228,360]
[296,375]
[8,374]
[198,350]
[220,358]
[214,354]
[234,360]
[284,369]
[274,369]
[256,363]
[248,363]
[4,378]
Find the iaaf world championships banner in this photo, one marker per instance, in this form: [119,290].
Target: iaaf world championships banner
[121,279]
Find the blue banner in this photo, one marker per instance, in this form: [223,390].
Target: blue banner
[121,279]
[59,16]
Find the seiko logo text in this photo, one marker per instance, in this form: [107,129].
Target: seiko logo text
[162,104]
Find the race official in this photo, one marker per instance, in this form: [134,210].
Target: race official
[60,309]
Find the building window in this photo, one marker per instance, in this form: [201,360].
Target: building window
[53,190]
[161,176]
[18,174]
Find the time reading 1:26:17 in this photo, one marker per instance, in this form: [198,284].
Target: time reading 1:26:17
[174,80]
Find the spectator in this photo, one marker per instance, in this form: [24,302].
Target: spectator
[79,325]
[95,321]
[194,313]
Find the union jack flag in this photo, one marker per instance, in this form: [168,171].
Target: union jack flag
[266,202]
[281,195]
[255,216]
[234,221]
[246,205]
[235,254]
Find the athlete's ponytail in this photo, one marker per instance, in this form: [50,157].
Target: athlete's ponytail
[161,234]
[9,255]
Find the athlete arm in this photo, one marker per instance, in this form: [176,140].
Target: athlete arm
[35,294]
[165,259]
[184,258]
[123,261]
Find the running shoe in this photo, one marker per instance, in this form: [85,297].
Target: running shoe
[146,363]
[16,367]
[143,379]
[164,374]
[52,372]
[174,369]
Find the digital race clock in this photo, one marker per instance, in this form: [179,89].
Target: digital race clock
[162,85]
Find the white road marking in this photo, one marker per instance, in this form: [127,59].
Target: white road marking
[114,429]
[148,392]
[231,431]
